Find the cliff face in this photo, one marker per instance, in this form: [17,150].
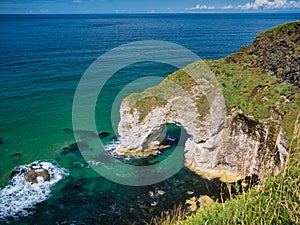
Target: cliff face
[194,106]
[238,146]
[276,51]
[261,109]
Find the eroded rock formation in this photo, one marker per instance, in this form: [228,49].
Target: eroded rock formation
[200,109]
[228,147]
[241,146]
[246,148]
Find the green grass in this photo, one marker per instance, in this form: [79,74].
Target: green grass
[281,29]
[266,98]
[146,104]
[178,83]
[276,201]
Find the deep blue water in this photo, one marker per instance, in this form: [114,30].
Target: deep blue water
[42,58]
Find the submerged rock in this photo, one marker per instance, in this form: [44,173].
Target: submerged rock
[151,194]
[1,141]
[16,155]
[103,134]
[73,148]
[154,203]
[161,192]
[68,130]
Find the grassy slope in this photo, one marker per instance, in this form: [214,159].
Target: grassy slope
[267,98]
[277,200]
[275,103]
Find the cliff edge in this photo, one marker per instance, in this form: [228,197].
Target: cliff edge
[276,51]
[239,124]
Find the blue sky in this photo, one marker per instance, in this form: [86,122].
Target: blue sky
[115,6]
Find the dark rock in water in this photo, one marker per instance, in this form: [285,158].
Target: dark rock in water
[82,145]
[65,151]
[17,171]
[75,186]
[68,130]
[14,173]
[86,133]
[70,149]
[103,134]
[32,174]
[1,140]
[73,148]
[16,155]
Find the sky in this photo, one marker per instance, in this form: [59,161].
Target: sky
[146,6]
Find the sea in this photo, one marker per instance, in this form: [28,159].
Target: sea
[42,59]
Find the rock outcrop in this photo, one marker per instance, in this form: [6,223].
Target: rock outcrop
[276,51]
[246,149]
[35,175]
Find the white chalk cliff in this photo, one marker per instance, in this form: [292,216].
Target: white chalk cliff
[228,147]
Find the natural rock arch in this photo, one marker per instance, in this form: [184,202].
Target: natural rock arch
[228,147]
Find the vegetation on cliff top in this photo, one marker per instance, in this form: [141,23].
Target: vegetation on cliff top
[247,83]
[276,51]
[176,84]
[267,98]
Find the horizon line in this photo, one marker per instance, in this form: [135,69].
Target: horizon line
[183,12]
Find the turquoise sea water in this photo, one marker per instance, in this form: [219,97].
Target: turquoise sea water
[42,59]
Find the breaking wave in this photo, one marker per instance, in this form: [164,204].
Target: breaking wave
[19,197]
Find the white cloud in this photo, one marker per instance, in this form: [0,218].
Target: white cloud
[200,7]
[256,5]
[228,7]
[266,4]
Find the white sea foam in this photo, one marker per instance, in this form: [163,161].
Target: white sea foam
[112,145]
[18,197]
